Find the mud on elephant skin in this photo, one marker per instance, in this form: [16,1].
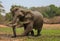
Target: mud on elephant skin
[30,19]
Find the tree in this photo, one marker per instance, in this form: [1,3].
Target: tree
[53,11]
[8,16]
[1,11]
[58,12]
[1,8]
[48,11]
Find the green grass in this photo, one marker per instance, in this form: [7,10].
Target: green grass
[47,35]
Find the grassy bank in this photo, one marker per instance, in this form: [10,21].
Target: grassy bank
[47,35]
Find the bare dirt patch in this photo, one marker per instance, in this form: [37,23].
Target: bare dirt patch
[3,25]
[51,26]
[44,25]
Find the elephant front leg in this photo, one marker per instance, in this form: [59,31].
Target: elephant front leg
[29,28]
[32,33]
[14,31]
[25,25]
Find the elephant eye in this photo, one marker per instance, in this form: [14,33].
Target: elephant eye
[21,11]
[15,10]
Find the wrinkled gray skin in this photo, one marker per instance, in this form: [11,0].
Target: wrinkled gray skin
[30,19]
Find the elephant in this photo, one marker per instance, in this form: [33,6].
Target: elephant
[30,20]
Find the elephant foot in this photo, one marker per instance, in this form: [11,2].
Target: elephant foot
[25,34]
[32,33]
[14,36]
[38,35]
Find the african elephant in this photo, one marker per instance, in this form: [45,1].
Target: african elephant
[30,19]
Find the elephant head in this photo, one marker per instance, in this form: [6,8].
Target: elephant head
[17,11]
[20,14]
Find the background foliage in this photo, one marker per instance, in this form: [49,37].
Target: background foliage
[48,12]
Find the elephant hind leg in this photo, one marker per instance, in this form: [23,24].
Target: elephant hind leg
[39,29]
[38,32]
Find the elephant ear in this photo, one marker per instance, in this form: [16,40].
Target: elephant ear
[23,10]
[29,14]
